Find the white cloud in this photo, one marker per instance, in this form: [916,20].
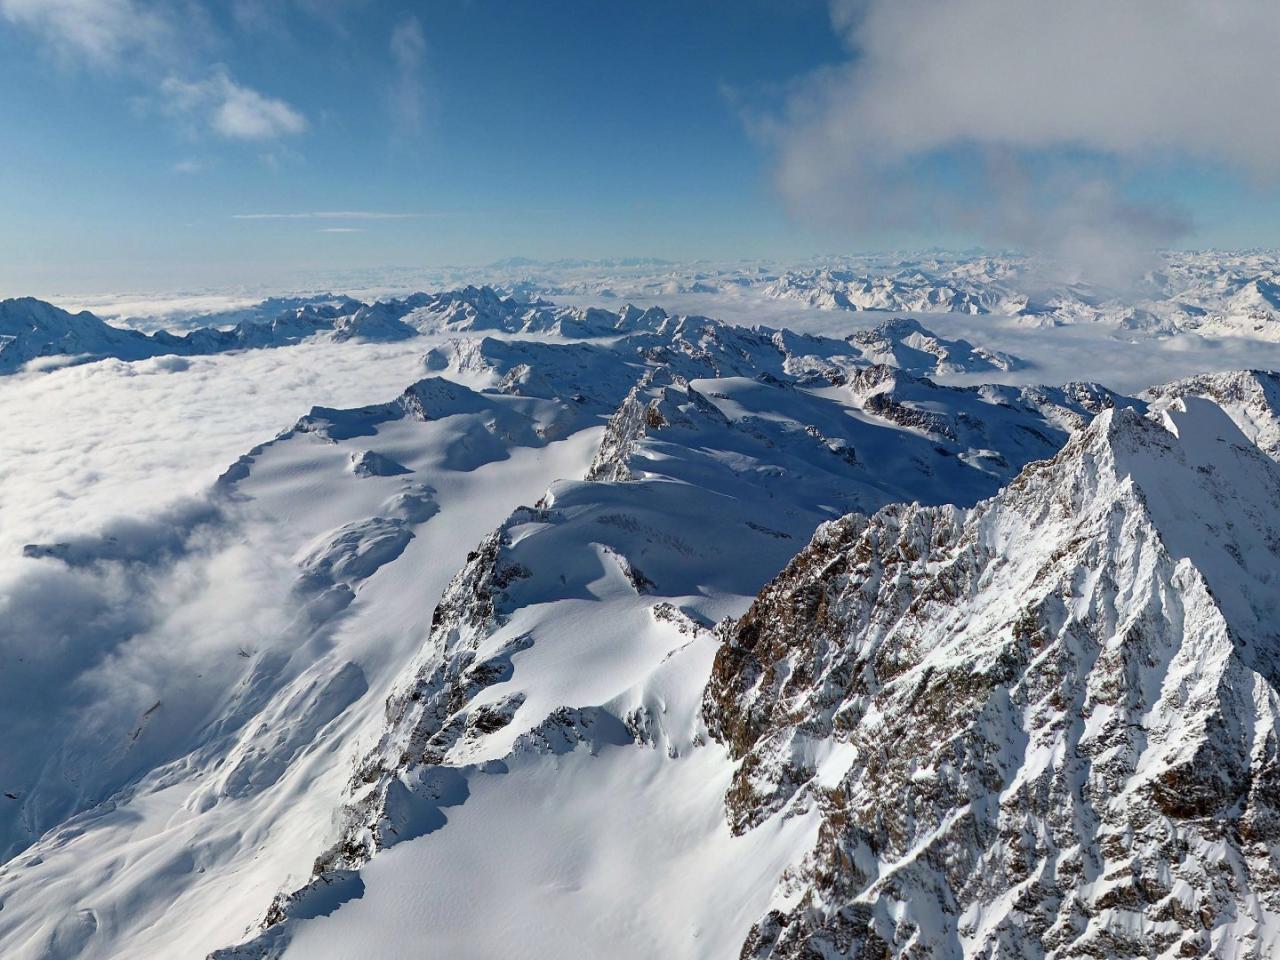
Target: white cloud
[102,31]
[232,110]
[1132,77]
[158,43]
[1118,84]
[330,215]
[408,93]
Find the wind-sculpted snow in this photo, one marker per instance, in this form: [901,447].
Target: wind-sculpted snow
[1045,726]
[355,551]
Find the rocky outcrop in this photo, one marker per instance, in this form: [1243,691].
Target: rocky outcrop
[645,408]
[429,713]
[1043,727]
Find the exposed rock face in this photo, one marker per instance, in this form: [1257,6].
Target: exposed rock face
[1046,726]
[659,400]
[428,714]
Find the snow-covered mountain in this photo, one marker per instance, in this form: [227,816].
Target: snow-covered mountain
[1048,720]
[687,475]
[504,662]
[40,330]
[1215,294]
[32,329]
[1209,294]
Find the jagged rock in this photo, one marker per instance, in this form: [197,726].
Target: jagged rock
[427,715]
[369,463]
[640,413]
[1045,721]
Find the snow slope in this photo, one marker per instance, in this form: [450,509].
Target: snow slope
[292,641]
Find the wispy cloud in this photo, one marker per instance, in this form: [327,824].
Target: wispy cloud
[165,47]
[408,92]
[342,230]
[333,215]
[102,32]
[232,110]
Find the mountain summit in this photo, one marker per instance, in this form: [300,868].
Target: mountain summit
[1046,724]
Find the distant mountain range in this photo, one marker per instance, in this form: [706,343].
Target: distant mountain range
[1213,294]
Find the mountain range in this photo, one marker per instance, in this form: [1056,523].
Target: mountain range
[639,632]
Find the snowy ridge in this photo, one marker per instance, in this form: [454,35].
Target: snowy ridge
[1250,397]
[905,344]
[31,329]
[1215,294]
[1045,721]
[1210,293]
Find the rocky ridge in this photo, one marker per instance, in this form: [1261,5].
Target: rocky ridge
[1045,726]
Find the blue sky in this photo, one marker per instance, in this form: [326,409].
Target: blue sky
[546,130]
[147,140]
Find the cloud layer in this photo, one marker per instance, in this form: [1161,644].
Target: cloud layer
[1048,106]
[142,597]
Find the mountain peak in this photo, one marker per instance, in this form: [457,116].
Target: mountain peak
[1076,660]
